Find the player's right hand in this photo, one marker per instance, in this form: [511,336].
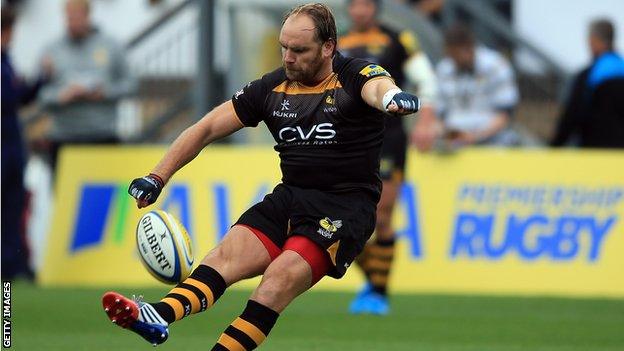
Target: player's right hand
[146,189]
[400,103]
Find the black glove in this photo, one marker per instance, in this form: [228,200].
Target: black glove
[406,102]
[146,189]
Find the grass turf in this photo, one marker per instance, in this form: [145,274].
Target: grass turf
[72,319]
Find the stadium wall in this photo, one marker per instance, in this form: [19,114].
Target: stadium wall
[477,221]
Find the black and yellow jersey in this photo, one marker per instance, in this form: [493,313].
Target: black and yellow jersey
[385,47]
[327,137]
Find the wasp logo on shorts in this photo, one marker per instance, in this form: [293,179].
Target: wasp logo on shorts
[329,227]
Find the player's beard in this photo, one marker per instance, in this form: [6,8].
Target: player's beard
[306,76]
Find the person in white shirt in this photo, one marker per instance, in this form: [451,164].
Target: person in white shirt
[477,92]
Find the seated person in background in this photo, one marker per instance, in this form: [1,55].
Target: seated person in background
[594,111]
[477,92]
[89,77]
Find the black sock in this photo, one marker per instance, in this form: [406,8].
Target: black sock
[249,330]
[195,294]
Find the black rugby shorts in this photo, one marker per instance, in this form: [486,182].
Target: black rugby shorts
[340,223]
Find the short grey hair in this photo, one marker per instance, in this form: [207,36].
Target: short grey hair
[323,18]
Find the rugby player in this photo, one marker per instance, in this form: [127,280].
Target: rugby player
[399,54]
[326,113]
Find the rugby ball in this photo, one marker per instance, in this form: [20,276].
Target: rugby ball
[164,247]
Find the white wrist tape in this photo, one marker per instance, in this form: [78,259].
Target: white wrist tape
[387,98]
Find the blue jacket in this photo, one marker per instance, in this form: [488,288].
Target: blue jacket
[15,93]
[608,66]
[594,111]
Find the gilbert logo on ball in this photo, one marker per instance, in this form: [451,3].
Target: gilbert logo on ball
[164,247]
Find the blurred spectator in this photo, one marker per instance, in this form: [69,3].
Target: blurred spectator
[594,112]
[89,77]
[15,93]
[429,8]
[400,54]
[478,92]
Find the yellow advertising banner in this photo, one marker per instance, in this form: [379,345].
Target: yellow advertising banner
[477,221]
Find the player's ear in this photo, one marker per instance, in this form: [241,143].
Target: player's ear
[328,48]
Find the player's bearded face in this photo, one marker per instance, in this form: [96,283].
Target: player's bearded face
[303,55]
[304,67]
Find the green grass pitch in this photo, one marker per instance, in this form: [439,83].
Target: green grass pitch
[72,319]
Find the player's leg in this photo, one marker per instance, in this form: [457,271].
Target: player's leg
[245,252]
[241,254]
[377,257]
[380,252]
[228,263]
[297,269]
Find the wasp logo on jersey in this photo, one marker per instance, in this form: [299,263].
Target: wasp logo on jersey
[373,70]
[329,100]
[329,227]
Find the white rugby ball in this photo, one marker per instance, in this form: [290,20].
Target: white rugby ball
[164,247]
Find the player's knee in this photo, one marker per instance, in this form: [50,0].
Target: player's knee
[220,258]
[277,285]
[278,281]
[217,254]
[271,293]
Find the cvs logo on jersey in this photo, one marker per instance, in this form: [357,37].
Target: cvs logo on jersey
[316,131]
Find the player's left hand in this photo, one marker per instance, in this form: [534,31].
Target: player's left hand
[398,102]
[146,189]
